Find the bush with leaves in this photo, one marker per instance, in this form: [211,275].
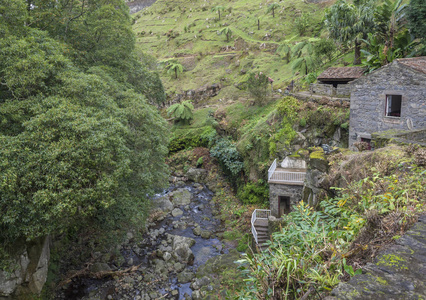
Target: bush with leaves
[258,87]
[225,151]
[254,193]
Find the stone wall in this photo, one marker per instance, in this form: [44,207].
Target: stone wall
[368,101]
[342,90]
[292,191]
[28,269]
[402,137]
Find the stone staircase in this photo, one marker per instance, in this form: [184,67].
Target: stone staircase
[259,224]
[262,232]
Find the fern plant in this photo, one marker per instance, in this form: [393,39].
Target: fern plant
[181,112]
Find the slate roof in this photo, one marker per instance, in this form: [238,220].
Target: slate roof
[341,74]
[416,63]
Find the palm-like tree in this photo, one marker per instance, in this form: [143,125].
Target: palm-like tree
[306,59]
[227,31]
[175,67]
[181,111]
[350,23]
[285,50]
[389,18]
[272,7]
[218,9]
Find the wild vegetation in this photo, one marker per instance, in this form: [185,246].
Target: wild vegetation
[80,142]
[83,143]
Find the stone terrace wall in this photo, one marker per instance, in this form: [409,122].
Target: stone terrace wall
[342,90]
[368,101]
[381,139]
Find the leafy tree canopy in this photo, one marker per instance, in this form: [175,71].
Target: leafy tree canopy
[79,140]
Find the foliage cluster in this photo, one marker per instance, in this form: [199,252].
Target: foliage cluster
[254,192]
[258,86]
[181,112]
[225,151]
[80,142]
[313,247]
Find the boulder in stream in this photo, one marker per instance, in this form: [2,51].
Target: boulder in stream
[197,175]
[164,204]
[181,197]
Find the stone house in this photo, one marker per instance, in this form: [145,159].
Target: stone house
[334,81]
[390,98]
[285,185]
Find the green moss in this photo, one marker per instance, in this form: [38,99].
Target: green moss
[382,281]
[319,154]
[394,261]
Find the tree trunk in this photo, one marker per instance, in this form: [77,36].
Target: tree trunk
[258,24]
[357,59]
[175,73]
[219,14]
[273,13]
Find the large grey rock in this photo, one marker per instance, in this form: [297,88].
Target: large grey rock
[197,175]
[99,267]
[29,267]
[181,197]
[177,212]
[164,204]
[185,276]
[181,248]
[398,272]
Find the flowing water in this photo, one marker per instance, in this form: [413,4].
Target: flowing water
[144,253]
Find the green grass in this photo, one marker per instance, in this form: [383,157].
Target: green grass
[197,27]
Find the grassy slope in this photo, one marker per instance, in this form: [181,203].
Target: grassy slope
[200,48]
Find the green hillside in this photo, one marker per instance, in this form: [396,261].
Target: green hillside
[191,33]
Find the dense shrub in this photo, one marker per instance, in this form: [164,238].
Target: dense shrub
[254,193]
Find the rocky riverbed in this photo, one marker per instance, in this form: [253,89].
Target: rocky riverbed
[163,262]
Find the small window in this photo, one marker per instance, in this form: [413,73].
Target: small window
[393,105]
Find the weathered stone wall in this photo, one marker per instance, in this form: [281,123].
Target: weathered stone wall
[342,90]
[368,101]
[402,137]
[292,191]
[30,266]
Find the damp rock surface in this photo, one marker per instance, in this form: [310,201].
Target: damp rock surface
[397,273]
[164,261]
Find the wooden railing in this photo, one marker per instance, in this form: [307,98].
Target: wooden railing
[258,214]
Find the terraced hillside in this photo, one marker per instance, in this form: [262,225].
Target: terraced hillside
[192,33]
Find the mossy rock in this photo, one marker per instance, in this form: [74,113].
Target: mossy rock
[317,160]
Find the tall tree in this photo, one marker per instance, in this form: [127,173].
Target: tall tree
[78,143]
[305,58]
[174,67]
[218,8]
[272,7]
[416,16]
[389,19]
[350,23]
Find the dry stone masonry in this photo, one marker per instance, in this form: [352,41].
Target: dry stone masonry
[391,98]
